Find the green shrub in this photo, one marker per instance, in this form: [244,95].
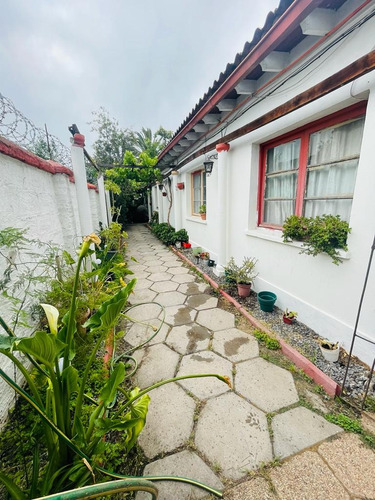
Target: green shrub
[321,234]
[182,236]
[165,232]
[268,341]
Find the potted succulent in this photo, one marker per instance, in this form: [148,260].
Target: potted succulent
[329,350]
[242,275]
[204,255]
[202,211]
[289,317]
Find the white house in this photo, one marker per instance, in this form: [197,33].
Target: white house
[297,108]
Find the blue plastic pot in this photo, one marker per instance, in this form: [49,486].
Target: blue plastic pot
[267,301]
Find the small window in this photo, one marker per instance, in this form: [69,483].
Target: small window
[312,171]
[198,186]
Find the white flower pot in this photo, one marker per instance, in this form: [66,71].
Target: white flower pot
[331,355]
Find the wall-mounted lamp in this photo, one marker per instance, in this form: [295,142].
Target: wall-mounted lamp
[160,186]
[208,165]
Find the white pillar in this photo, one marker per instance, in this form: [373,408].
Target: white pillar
[177,200]
[222,212]
[149,205]
[160,205]
[103,205]
[108,205]
[83,200]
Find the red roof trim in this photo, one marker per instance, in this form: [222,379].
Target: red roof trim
[288,21]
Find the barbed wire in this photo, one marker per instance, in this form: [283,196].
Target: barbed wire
[18,128]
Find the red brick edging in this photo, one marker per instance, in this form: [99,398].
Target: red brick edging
[331,387]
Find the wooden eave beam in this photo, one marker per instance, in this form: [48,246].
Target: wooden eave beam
[346,75]
[285,25]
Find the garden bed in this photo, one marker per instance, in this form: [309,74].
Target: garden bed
[299,336]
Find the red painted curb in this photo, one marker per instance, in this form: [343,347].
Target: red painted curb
[331,387]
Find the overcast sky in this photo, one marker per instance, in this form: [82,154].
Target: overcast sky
[147,62]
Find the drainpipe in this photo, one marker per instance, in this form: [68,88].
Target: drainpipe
[222,212]
[103,205]
[83,200]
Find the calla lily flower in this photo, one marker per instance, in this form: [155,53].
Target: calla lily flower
[87,240]
[52,316]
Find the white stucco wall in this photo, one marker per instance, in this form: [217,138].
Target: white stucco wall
[46,205]
[326,296]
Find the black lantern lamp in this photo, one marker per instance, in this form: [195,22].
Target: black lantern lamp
[208,165]
[160,186]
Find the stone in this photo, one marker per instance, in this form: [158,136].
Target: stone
[205,362]
[144,312]
[172,263]
[183,278]
[170,298]
[135,267]
[216,319]
[193,288]
[164,286]
[185,464]
[233,434]
[307,477]
[316,401]
[202,301]
[138,333]
[266,385]
[159,277]
[186,339]
[255,489]
[352,463]
[142,284]
[169,420]
[298,429]
[179,315]
[235,345]
[156,269]
[144,295]
[177,270]
[159,363]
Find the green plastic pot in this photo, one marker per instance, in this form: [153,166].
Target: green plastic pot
[197,251]
[267,300]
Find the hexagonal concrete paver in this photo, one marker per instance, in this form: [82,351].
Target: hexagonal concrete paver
[216,319]
[172,263]
[179,315]
[183,278]
[156,269]
[142,284]
[144,312]
[144,295]
[205,362]
[137,334]
[298,429]
[202,301]
[151,259]
[185,464]
[159,277]
[170,298]
[177,270]
[136,267]
[233,434]
[159,362]
[193,288]
[187,339]
[169,420]
[235,345]
[164,286]
[266,385]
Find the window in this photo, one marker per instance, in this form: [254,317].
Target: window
[312,171]
[198,192]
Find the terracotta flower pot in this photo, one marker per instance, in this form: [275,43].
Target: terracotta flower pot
[223,146]
[203,216]
[288,321]
[243,289]
[180,185]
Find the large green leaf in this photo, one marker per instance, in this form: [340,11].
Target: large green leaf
[13,489]
[6,342]
[44,347]
[109,390]
[106,424]
[70,379]
[107,314]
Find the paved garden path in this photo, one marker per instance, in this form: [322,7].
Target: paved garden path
[204,430]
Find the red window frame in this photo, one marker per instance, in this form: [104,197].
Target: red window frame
[303,133]
[199,173]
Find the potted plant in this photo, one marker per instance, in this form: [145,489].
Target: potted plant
[289,317]
[242,275]
[181,237]
[329,350]
[204,255]
[202,211]
[180,185]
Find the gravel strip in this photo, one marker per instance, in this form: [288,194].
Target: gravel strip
[298,335]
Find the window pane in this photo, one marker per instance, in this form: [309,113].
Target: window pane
[283,157]
[334,207]
[335,179]
[275,212]
[335,143]
[281,186]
